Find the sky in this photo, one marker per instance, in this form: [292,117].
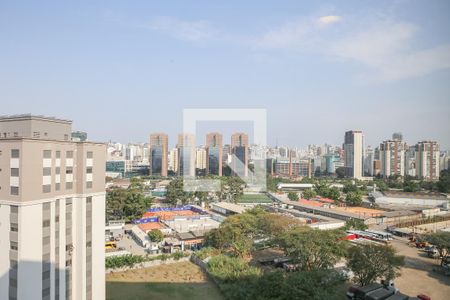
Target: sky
[123,69]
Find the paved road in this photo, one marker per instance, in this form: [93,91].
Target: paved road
[418,276]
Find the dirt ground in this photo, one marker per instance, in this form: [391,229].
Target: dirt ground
[418,276]
[182,280]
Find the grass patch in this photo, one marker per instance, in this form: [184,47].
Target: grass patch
[161,291]
[254,198]
[178,281]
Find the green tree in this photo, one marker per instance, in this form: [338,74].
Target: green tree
[309,194]
[350,187]
[155,235]
[312,249]
[230,269]
[293,196]
[321,188]
[443,184]
[127,204]
[442,242]
[355,224]
[381,185]
[353,198]
[370,262]
[232,188]
[340,172]
[273,225]
[176,194]
[115,202]
[314,285]
[235,234]
[334,193]
[410,186]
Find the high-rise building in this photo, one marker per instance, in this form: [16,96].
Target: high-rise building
[397,136]
[200,159]
[186,154]
[427,160]
[172,164]
[239,152]
[368,161]
[392,158]
[214,150]
[353,153]
[52,211]
[226,155]
[410,161]
[330,163]
[376,167]
[293,167]
[158,154]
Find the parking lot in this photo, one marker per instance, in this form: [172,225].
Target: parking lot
[128,244]
[418,276]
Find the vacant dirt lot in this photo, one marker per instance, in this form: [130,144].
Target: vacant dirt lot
[418,276]
[182,281]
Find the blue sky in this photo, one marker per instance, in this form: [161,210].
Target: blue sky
[123,69]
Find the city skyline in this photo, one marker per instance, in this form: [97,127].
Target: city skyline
[122,71]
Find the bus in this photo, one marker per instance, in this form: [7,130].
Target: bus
[380,235]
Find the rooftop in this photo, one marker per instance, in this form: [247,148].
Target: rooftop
[19,117]
[230,207]
[399,213]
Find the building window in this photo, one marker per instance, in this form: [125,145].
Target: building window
[15,153]
[47,171]
[14,245]
[69,185]
[16,134]
[14,227]
[89,170]
[36,134]
[66,137]
[14,172]
[46,223]
[15,190]
[46,188]
[90,154]
[47,153]
[69,170]
[58,154]
[69,154]
[57,186]
[57,170]
[89,185]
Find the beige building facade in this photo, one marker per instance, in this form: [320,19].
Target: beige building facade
[52,213]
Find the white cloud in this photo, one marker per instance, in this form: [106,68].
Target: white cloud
[184,30]
[327,20]
[384,47]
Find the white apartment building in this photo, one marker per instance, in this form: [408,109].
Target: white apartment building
[354,154]
[200,158]
[173,160]
[52,211]
[427,160]
[392,158]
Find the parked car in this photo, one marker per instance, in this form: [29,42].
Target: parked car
[399,296]
[380,294]
[360,292]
